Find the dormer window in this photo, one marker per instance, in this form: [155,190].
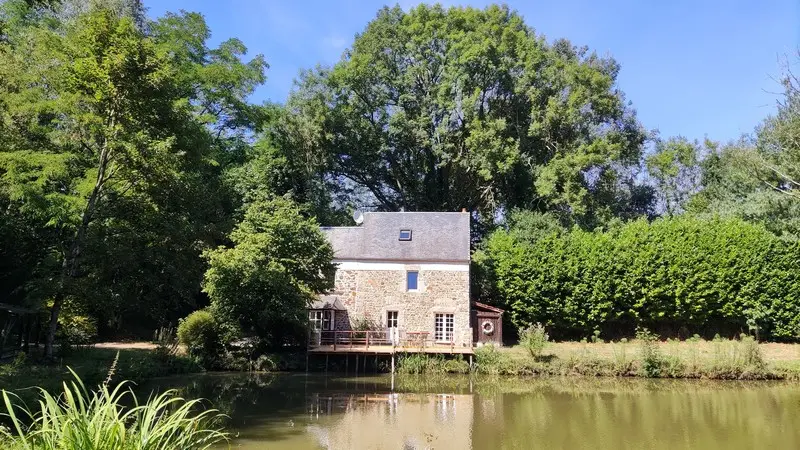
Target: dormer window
[405,235]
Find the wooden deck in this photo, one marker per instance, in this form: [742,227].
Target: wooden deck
[391,349]
[380,343]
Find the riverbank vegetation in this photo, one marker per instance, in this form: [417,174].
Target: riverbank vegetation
[644,357]
[139,184]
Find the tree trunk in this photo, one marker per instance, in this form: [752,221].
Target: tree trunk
[69,267]
[51,328]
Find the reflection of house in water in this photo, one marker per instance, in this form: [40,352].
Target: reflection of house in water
[409,421]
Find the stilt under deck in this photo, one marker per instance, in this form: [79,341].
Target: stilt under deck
[379,343]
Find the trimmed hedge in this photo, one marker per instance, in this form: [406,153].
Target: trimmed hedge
[677,276]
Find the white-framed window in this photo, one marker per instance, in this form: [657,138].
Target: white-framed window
[405,235]
[321,319]
[412,280]
[444,328]
[391,319]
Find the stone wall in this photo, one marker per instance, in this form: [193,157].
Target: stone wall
[370,294]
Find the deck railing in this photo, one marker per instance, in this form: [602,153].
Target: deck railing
[348,339]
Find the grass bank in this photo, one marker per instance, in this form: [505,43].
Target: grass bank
[23,374]
[717,359]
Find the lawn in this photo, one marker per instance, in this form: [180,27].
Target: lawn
[93,365]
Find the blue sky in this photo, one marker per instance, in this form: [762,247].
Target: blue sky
[691,68]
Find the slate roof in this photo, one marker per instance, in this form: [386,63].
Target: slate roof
[327,301]
[435,237]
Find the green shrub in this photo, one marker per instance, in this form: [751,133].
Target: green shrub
[200,333]
[623,363]
[752,356]
[13,368]
[420,363]
[741,359]
[363,324]
[75,330]
[99,420]
[650,354]
[534,339]
[491,361]
[456,365]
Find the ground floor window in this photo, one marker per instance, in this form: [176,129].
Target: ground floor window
[321,319]
[391,319]
[444,328]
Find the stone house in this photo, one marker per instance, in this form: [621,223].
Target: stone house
[408,271]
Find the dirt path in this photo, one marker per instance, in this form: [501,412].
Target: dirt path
[127,345]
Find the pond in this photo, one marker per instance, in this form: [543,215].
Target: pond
[298,411]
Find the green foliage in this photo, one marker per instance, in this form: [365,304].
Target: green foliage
[200,333]
[436,109]
[491,361]
[674,167]
[732,186]
[421,363]
[737,359]
[650,353]
[752,356]
[75,330]
[647,357]
[80,419]
[278,263]
[680,275]
[113,133]
[364,324]
[534,339]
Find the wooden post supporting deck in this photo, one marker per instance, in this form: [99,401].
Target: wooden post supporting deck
[470,363]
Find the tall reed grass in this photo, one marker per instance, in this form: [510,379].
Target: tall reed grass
[108,419]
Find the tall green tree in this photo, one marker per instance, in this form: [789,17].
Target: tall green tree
[112,134]
[778,140]
[674,165]
[757,178]
[443,109]
[278,262]
[733,185]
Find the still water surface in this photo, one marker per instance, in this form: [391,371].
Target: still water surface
[295,411]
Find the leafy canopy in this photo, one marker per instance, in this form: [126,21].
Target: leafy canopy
[114,133]
[443,109]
